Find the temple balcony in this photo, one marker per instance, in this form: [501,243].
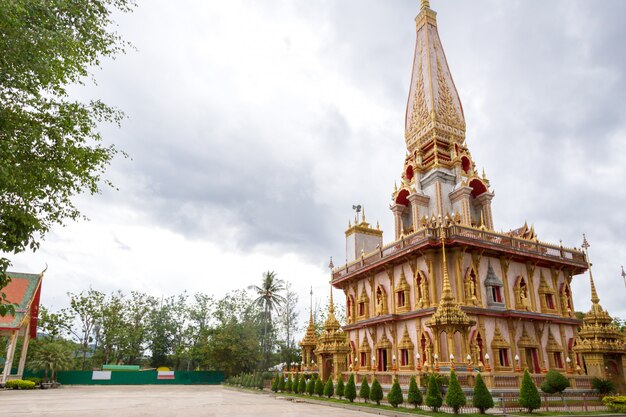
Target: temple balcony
[492,243]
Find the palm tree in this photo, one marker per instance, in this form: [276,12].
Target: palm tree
[268,299]
[52,357]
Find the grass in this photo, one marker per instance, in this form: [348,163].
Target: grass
[562,413]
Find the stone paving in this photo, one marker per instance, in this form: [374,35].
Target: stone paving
[154,401]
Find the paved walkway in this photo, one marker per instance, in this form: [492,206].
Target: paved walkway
[154,401]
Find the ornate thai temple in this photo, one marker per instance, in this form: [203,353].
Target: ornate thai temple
[450,292]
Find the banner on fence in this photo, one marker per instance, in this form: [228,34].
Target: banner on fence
[165,375]
[101,376]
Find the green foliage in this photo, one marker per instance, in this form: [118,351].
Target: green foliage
[288,384]
[50,146]
[275,384]
[555,382]
[20,384]
[482,398]
[51,357]
[340,387]
[268,300]
[414,395]
[295,383]
[616,403]
[455,397]
[310,386]
[364,392]
[529,395]
[376,393]
[394,396]
[329,388]
[34,379]
[350,390]
[433,394]
[319,387]
[281,383]
[442,380]
[302,385]
[603,386]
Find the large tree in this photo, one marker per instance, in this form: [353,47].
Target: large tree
[268,300]
[50,145]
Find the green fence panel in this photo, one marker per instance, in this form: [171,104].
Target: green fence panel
[137,378]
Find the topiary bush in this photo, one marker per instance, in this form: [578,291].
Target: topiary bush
[455,397]
[310,386]
[394,396]
[615,403]
[302,385]
[281,383]
[288,384]
[319,387]
[376,393]
[414,395]
[528,394]
[603,386]
[555,382]
[433,394]
[329,388]
[275,384]
[350,391]
[364,392]
[20,384]
[482,398]
[340,387]
[34,379]
[295,384]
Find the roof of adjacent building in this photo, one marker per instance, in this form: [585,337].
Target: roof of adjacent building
[24,291]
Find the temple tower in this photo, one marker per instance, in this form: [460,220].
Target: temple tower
[449,291]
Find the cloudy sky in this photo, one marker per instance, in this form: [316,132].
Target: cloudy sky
[253,126]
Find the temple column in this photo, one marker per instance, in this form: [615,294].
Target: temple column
[485,202]
[20,368]
[419,203]
[8,364]
[397,210]
[461,197]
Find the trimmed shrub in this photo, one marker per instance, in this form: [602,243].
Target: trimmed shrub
[615,403]
[302,385]
[433,394]
[528,394]
[319,387]
[555,382]
[376,393]
[295,384]
[275,384]
[20,384]
[259,382]
[394,396]
[482,398]
[350,391]
[340,387]
[34,379]
[415,395]
[455,397]
[310,386]
[281,383]
[329,388]
[603,386]
[288,384]
[364,392]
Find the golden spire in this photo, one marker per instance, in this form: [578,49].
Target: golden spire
[447,290]
[594,294]
[425,4]
[363,215]
[311,306]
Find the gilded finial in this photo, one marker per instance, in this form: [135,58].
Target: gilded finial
[363,215]
[378,228]
[311,306]
[447,290]
[425,4]
[624,275]
[594,294]
[484,174]
[395,187]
